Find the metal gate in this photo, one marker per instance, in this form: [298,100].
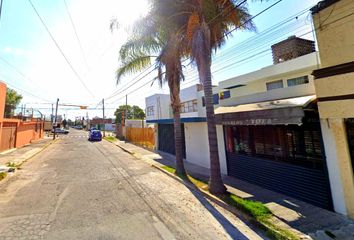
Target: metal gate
[8,137]
[167,139]
[309,184]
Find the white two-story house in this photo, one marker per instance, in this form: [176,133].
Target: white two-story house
[268,127]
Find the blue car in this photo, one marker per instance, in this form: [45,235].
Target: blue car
[95,135]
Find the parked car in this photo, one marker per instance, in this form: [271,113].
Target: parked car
[93,128]
[60,131]
[95,135]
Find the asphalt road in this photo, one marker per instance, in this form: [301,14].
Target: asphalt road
[76,189]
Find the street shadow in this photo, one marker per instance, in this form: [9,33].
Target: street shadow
[232,231]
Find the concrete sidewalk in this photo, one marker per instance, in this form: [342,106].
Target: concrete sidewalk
[304,217]
[19,155]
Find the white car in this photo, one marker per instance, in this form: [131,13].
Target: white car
[60,131]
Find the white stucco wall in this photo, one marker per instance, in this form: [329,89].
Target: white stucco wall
[221,147]
[304,63]
[197,146]
[161,104]
[333,168]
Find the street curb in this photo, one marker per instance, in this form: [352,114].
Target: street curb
[124,149]
[243,216]
[42,149]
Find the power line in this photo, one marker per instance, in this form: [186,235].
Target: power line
[132,83]
[114,94]
[60,50]
[225,35]
[25,91]
[251,18]
[77,36]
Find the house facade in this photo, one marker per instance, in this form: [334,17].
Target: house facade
[194,136]
[269,128]
[103,124]
[334,85]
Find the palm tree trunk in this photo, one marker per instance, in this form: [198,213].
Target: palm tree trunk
[216,185]
[178,143]
[202,54]
[174,86]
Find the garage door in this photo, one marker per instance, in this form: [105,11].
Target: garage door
[167,139]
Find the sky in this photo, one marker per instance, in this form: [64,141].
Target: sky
[31,63]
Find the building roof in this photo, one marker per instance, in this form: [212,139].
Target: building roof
[322,5]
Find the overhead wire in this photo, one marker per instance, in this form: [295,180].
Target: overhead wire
[225,35]
[60,50]
[76,34]
[238,5]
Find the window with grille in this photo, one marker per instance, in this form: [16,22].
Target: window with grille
[298,81]
[274,85]
[189,106]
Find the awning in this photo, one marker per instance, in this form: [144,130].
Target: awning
[278,112]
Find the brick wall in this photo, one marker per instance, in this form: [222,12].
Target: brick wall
[291,48]
[15,133]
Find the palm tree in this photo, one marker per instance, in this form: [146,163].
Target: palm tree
[208,23]
[150,38]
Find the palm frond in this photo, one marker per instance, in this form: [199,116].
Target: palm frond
[134,46]
[133,64]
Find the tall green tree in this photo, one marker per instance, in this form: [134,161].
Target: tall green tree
[153,38]
[11,102]
[132,112]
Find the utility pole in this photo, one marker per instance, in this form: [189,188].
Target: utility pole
[87,121]
[104,123]
[126,108]
[55,118]
[52,116]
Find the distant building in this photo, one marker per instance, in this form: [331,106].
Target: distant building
[103,124]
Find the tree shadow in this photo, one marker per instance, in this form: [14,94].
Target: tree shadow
[231,230]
